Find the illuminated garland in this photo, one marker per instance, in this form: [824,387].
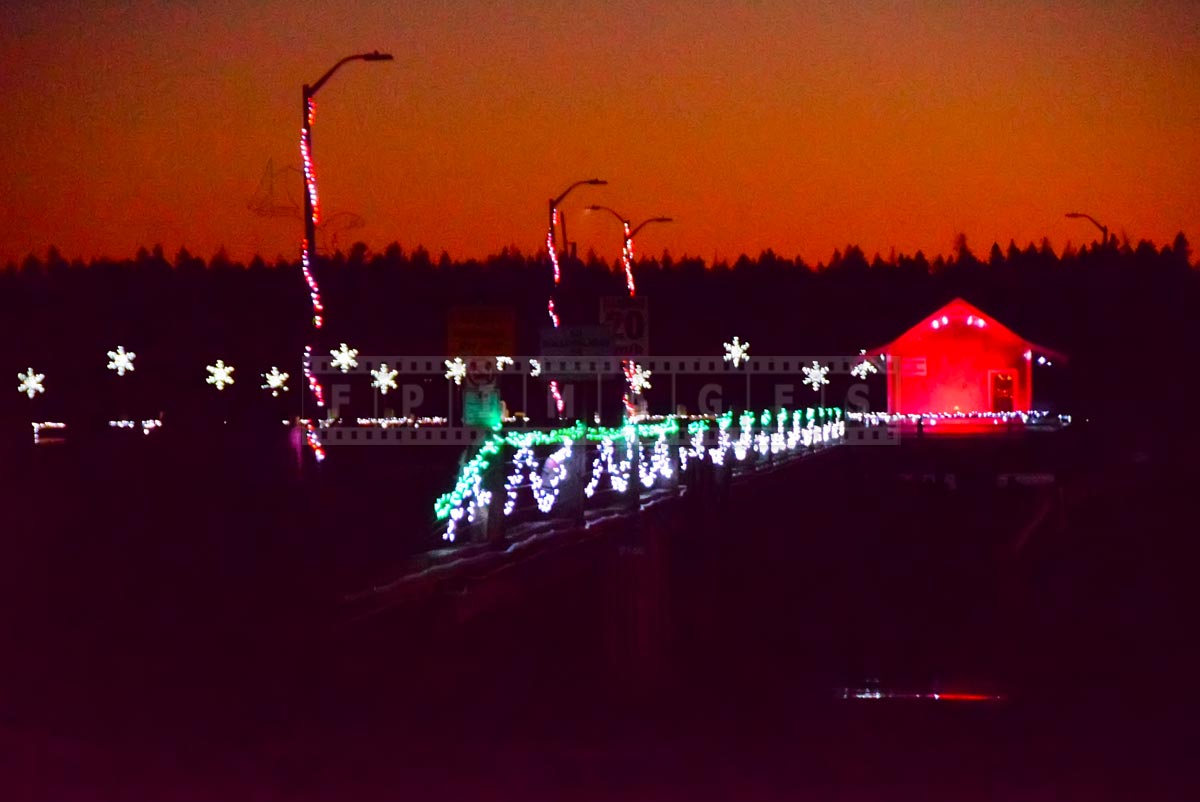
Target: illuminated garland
[554,319]
[147,425]
[553,254]
[310,170]
[314,442]
[636,378]
[46,424]
[996,418]
[313,385]
[627,258]
[314,290]
[767,433]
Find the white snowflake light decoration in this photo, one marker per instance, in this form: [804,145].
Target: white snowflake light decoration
[220,374]
[535,368]
[864,368]
[737,352]
[121,360]
[638,378]
[344,358]
[31,383]
[503,361]
[276,381]
[456,370]
[385,379]
[815,375]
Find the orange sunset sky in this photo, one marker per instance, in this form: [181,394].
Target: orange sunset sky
[791,125]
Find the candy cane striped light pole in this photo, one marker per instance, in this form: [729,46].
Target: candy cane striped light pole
[312,215]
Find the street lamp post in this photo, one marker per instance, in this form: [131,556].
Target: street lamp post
[631,368]
[312,213]
[560,219]
[1103,229]
[630,233]
[557,219]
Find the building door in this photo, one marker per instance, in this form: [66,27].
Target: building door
[1002,392]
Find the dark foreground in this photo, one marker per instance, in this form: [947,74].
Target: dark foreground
[180,654]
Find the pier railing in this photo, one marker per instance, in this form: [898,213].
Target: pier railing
[517,475]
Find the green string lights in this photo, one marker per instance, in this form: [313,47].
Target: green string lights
[766,433]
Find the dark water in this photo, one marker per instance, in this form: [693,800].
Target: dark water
[170,631]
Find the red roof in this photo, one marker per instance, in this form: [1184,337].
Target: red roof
[959,309]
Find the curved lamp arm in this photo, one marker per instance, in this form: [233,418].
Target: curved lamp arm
[598,208]
[645,223]
[374,55]
[593,181]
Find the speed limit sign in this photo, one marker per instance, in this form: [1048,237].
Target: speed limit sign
[629,321]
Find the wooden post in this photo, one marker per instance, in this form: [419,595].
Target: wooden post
[571,497]
[633,494]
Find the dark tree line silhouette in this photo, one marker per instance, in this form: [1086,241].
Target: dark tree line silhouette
[1125,312]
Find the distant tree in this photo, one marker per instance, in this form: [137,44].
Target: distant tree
[962,251]
[1013,253]
[1181,249]
[996,256]
[31,267]
[359,253]
[593,261]
[920,262]
[854,260]
[220,260]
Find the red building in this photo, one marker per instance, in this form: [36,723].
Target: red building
[961,359]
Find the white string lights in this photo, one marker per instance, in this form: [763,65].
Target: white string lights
[306,251]
[613,455]
[627,258]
